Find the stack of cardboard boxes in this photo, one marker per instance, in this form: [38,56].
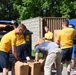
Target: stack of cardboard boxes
[29,68]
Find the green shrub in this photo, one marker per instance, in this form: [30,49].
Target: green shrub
[33,54]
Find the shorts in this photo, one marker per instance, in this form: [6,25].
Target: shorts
[74,48]
[4,59]
[23,51]
[66,54]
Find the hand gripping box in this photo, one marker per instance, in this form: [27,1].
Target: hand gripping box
[35,68]
[20,68]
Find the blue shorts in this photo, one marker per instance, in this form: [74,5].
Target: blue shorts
[4,59]
[66,54]
[23,51]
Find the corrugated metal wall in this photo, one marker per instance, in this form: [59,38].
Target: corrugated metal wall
[54,23]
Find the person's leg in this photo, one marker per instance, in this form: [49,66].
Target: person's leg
[5,71]
[26,52]
[75,60]
[61,66]
[68,66]
[20,52]
[66,55]
[4,62]
[68,60]
[50,59]
[74,48]
[63,58]
[58,64]
[23,52]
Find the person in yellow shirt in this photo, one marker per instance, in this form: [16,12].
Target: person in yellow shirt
[48,36]
[22,46]
[64,39]
[74,48]
[9,41]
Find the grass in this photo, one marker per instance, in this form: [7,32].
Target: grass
[33,54]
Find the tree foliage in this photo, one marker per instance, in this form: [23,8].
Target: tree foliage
[7,11]
[24,9]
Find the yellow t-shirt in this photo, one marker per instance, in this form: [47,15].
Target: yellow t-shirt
[65,37]
[20,40]
[48,35]
[7,41]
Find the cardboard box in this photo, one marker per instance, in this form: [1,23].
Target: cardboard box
[20,68]
[42,66]
[42,62]
[55,35]
[35,68]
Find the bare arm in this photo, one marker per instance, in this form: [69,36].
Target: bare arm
[14,52]
[37,57]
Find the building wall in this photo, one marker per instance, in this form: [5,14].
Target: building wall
[34,25]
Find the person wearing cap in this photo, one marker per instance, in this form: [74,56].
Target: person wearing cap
[9,41]
[53,54]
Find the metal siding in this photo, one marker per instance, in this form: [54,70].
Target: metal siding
[54,23]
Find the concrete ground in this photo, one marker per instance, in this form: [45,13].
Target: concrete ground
[64,72]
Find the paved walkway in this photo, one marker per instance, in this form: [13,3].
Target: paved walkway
[64,72]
